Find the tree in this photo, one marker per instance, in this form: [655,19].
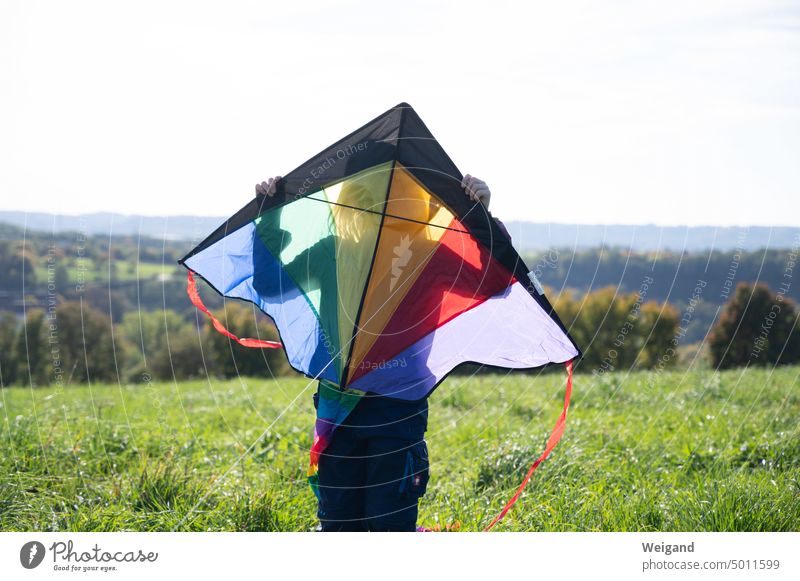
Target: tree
[18,264]
[619,330]
[161,344]
[8,359]
[755,327]
[86,344]
[30,350]
[659,335]
[184,356]
[231,359]
[61,279]
[148,330]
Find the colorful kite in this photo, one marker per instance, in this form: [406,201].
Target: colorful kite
[381,275]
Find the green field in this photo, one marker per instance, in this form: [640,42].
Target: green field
[125,270]
[642,452]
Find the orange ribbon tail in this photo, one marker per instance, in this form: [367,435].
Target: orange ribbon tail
[194,296]
[555,436]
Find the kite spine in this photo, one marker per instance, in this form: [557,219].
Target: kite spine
[346,366]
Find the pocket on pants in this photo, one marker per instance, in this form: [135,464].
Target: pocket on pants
[417,471]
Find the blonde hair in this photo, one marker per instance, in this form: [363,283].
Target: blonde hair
[353,213]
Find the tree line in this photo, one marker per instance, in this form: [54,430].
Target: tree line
[74,343]
[77,308]
[118,274]
[71,342]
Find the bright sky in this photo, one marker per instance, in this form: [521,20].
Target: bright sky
[679,112]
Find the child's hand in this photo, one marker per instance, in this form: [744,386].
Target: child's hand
[269,187]
[476,189]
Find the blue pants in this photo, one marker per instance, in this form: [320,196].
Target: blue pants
[375,469]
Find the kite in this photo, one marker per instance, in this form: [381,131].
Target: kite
[381,275]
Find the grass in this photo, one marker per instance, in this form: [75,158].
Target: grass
[673,451]
[91,271]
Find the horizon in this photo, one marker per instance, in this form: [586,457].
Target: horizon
[526,236]
[507,221]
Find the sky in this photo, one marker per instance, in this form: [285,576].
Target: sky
[613,112]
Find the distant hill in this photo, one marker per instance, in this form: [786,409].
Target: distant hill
[528,236]
[105,223]
[645,238]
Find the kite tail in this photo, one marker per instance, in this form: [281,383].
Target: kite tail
[555,436]
[194,296]
[333,407]
[313,465]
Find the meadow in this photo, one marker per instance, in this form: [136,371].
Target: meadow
[643,451]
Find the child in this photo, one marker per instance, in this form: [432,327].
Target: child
[375,469]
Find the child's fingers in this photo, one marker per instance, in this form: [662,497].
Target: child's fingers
[481,192]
